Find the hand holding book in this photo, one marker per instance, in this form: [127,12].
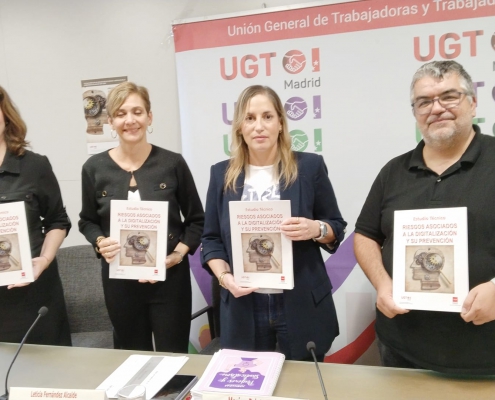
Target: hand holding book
[108,248]
[299,228]
[228,282]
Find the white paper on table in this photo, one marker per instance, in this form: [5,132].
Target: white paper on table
[150,371]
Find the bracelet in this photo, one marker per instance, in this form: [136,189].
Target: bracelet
[221,276]
[98,240]
[180,254]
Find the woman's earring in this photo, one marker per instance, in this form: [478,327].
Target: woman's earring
[149,129]
[113,134]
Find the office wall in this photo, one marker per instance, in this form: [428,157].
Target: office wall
[47,47]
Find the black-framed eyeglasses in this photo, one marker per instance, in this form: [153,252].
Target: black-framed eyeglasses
[446,100]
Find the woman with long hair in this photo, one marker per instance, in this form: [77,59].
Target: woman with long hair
[262,166]
[28,177]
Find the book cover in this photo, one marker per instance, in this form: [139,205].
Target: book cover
[431,259]
[16,265]
[141,229]
[262,255]
[241,372]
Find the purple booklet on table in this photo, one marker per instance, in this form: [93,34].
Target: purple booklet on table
[241,372]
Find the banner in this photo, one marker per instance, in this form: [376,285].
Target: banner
[343,72]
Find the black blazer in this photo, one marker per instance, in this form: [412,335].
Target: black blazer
[309,307]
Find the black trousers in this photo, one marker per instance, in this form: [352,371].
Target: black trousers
[19,308]
[140,310]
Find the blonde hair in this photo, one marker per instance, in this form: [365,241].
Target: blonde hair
[285,163]
[119,94]
[15,128]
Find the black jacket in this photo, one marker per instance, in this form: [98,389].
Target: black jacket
[164,176]
[309,307]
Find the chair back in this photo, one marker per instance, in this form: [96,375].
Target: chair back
[80,272]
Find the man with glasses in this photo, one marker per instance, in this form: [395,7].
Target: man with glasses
[453,166]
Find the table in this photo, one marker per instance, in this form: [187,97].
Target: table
[85,368]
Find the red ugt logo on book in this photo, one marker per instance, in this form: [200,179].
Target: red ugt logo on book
[455,300]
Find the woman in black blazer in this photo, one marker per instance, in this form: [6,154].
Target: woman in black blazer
[263,166]
[137,170]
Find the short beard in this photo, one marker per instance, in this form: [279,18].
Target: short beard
[441,141]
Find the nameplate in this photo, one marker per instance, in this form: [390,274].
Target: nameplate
[23,393]
[226,396]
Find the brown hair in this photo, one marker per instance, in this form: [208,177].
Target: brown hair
[285,164]
[121,92]
[15,128]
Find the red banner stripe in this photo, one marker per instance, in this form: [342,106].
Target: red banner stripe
[323,20]
[350,353]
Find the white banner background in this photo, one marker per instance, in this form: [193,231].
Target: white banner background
[358,113]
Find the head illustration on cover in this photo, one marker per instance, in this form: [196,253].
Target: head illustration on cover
[136,247]
[260,250]
[5,250]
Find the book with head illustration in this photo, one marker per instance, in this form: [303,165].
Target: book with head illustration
[261,253]
[241,372]
[431,263]
[140,227]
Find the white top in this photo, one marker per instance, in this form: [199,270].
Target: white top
[133,196]
[260,184]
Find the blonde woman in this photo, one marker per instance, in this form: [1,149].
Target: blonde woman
[138,170]
[263,167]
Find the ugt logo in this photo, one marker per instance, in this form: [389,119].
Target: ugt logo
[450,45]
[251,65]
[296,108]
[248,65]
